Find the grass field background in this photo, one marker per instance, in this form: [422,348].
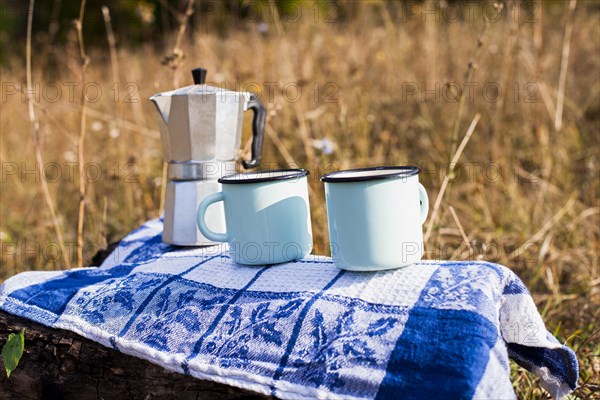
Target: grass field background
[347,84]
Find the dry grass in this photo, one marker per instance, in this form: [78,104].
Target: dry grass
[524,193]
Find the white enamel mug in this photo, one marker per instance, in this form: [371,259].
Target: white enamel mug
[375,217]
[267,216]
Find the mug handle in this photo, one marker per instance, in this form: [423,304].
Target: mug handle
[210,235]
[424,203]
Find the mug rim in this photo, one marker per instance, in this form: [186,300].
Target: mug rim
[270,176]
[398,171]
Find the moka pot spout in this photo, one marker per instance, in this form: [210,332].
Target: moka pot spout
[163,105]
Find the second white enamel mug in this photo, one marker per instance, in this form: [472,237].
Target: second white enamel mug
[375,217]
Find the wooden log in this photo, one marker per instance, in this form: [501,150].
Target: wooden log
[62,365]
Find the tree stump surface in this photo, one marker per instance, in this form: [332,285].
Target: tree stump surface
[61,365]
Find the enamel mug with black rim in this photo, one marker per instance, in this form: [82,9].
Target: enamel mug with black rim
[267,216]
[375,217]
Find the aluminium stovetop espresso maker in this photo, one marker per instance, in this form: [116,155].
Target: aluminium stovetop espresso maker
[201,131]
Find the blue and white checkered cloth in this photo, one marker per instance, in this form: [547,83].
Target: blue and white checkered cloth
[304,329]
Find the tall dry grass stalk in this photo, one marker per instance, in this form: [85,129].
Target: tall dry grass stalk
[448,177]
[37,146]
[115,124]
[564,65]
[81,139]
[472,66]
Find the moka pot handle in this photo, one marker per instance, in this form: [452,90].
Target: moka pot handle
[258,131]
